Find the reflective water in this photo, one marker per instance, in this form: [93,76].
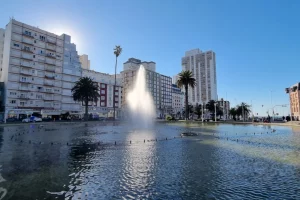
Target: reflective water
[75,161]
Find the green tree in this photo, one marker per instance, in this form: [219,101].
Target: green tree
[243,110]
[185,79]
[198,110]
[210,106]
[85,90]
[233,112]
[117,52]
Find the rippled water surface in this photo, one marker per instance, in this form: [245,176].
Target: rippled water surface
[115,161]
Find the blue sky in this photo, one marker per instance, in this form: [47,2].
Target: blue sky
[257,43]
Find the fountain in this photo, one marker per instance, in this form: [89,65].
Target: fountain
[140,102]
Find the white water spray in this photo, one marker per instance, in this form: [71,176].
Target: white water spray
[140,102]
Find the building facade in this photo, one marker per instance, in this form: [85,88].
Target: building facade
[109,94]
[160,86]
[85,62]
[203,66]
[38,69]
[177,100]
[294,94]
[225,107]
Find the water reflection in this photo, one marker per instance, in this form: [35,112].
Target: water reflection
[77,161]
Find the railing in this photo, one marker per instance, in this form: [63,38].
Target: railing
[50,47]
[51,41]
[23,97]
[48,83]
[25,81]
[27,35]
[26,64]
[50,69]
[50,62]
[24,88]
[50,56]
[25,72]
[49,76]
[28,57]
[27,41]
[27,50]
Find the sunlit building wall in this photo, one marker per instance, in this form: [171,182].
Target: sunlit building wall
[39,69]
[203,67]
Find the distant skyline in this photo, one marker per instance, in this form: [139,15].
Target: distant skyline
[257,43]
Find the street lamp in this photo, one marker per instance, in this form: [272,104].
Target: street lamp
[215,111]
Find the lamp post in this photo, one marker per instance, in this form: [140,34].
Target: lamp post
[215,112]
[202,111]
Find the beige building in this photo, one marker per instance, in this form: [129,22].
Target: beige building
[85,62]
[294,93]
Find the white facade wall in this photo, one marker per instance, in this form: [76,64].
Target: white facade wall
[177,100]
[203,66]
[34,65]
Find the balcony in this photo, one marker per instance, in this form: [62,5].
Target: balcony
[48,98]
[25,81]
[26,64]
[27,35]
[50,47]
[27,50]
[51,41]
[27,56]
[25,72]
[27,41]
[50,61]
[50,56]
[22,88]
[23,96]
[50,69]
[49,83]
[49,76]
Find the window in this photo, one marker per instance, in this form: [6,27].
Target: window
[16,45]
[102,104]
[33,56]
[102,91]
[34,41]
[102,85]
[102,97]
[12,101]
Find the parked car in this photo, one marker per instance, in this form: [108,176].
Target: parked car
[26,120]
[35,119]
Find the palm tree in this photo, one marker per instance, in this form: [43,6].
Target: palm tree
[185,79]
[117,52]
[233,112]
[243,110]
[85,90]
[198,110]
[210,106]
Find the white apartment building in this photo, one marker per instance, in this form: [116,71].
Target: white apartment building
[203,66]
[108,94]
[175,79]
[225,107]
[85,62]
[177,100]
[38,69]
[159,86]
